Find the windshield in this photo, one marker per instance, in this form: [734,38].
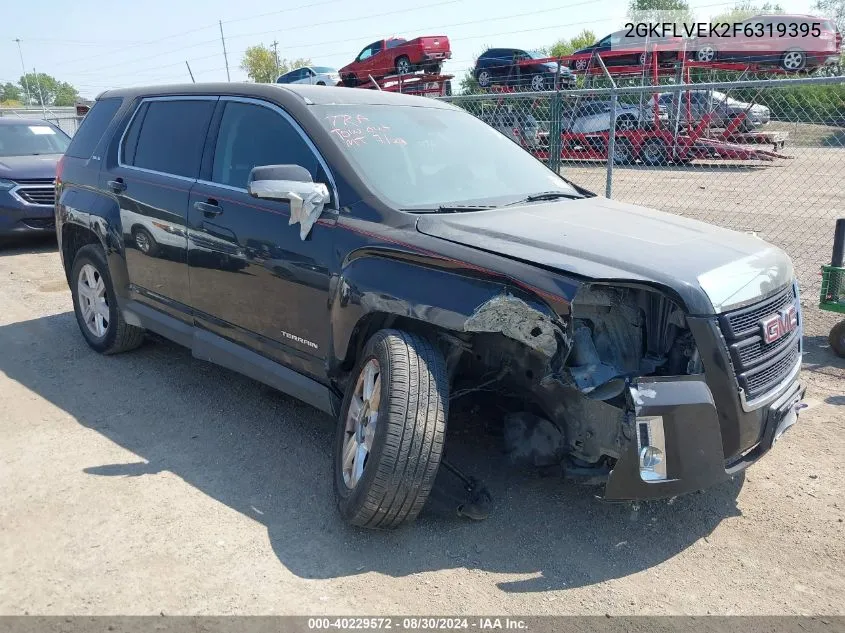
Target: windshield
[424,158]
[28,139]
[323,69]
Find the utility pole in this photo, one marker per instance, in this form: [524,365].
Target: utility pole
[189,71]
[40,94]
[276,55]
[23,69]
[225,57]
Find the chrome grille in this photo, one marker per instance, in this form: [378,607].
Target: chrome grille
[761,366]
[37,195]
[760,380]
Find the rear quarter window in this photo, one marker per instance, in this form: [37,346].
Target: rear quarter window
[93,127]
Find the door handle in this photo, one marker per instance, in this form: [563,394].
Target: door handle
[117,186]
[209,209]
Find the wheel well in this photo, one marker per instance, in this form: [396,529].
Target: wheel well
[75,237]
[375,321]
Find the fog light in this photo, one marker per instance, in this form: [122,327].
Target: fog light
[651,448]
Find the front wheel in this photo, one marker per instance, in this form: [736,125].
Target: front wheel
[654,152]
[403,66]
[706,53]
[391,431]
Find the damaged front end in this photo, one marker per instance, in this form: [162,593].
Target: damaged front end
[614,391]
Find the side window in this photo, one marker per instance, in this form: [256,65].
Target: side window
[252,135]
[368,52]
[130,140]
[93,127]
[171,138]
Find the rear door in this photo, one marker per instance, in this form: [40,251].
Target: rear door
[157,163]
[253,280]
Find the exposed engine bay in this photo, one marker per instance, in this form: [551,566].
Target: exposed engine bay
[564,393]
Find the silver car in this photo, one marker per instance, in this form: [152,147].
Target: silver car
[721,108]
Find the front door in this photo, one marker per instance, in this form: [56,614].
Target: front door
[253,280]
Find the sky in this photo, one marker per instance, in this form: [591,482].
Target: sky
[98,45]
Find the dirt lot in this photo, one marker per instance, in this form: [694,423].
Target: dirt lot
[150,482]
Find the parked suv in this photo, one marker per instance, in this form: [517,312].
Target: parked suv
[29,151]
[501,66]
[395,250]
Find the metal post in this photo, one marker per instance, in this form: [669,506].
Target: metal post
[555,129]
[611,134]
[225,57]
[189,72]
[611,144]
[23,70]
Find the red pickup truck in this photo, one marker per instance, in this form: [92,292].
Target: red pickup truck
[397,56]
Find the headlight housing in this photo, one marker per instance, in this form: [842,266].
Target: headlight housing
[5,185]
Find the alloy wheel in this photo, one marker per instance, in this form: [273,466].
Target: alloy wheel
[361,421]
[93,302]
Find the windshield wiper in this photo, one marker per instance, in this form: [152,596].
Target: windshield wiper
[453,208]
[546,195]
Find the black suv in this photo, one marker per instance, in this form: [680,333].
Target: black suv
[379,255]
[502,66]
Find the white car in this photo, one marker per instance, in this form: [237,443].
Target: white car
[314,75]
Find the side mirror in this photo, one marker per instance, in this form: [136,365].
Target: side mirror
[293,183]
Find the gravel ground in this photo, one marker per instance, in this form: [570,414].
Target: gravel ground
[151,482]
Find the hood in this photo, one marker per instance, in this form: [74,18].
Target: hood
[712,269]
[29,167]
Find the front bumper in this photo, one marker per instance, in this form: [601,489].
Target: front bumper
[689,438]
[19,218]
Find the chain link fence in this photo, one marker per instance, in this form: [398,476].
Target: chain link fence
[65,119]
[763,156]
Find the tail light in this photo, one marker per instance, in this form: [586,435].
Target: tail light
[59,168]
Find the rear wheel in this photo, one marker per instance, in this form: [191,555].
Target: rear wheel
[391,431]
[145,241]
[793,60]
[538,82]
[484,78]
[95,304]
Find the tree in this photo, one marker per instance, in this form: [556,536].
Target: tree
[660,11]
[834,9]
[53,91]
[567,47]
[10,92]
[261,65]
[745,9]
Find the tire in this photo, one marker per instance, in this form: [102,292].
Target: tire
[793,60]
[707,53]
[836,338]
[118,336]
[643,58]
[403,65]
[400,464]
[321,83]
[350,81]
[626,122]
[653,152]
[484,78]
[145,241]
[538,83]
[623,153]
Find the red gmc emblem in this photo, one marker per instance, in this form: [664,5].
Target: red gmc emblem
[780,324]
